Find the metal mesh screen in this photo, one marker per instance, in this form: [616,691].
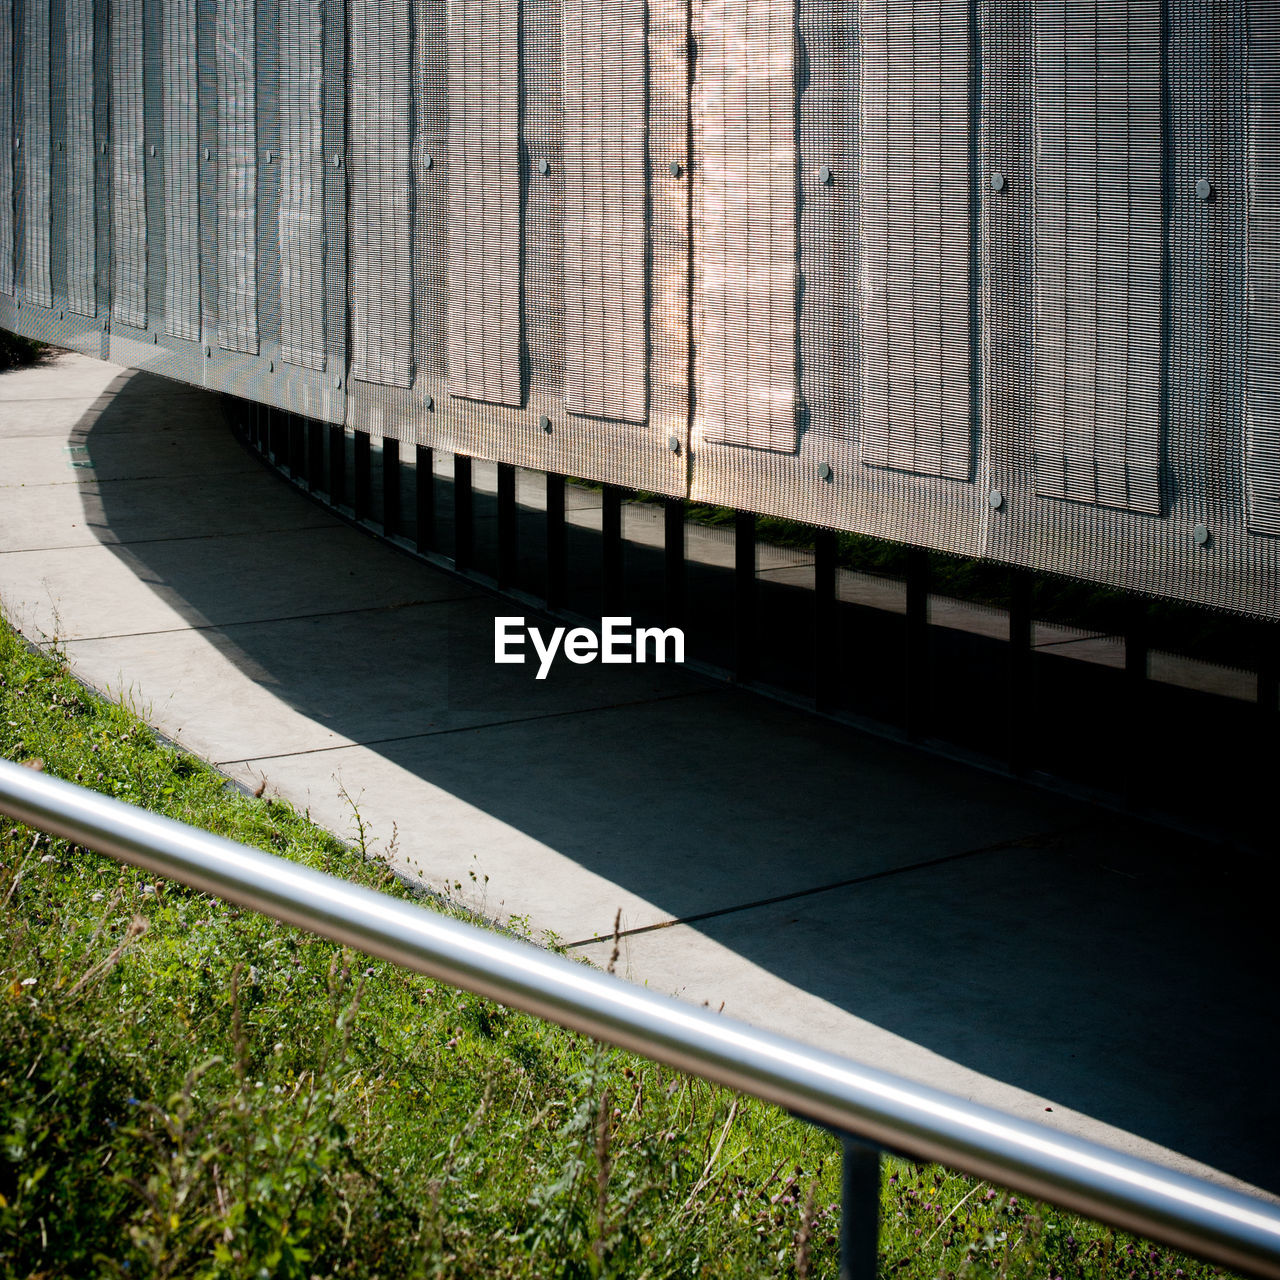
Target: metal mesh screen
[485,248]
[6,146]
[34,283]
[128,167]
[181,171]
[237,167]
[1099,251]
[1264,274]
[915,184]
[747,255]
[300,97]
[81,208]
[1017,255]
[605,208]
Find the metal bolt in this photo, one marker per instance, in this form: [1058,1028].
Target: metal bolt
[431,403]
[429,162]
[206,153]
[544,422]
[825,175]
[337,382]
[104,148]
[676,168]
[61,315]
[824,471]
[337,161]
[267,157]
[1201,535]
[673,443]
[208,351]
[151,150]
[997,182]
[996,499]
[1204,190]
[155,338]
[17,142]
[271,366]
[543,166]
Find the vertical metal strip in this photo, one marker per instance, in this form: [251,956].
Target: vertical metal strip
[301,218]
[485,241]
[181,171]
[747,263]
[34,284]
[605,208]
[82,214]
[381,242]
[1263,456]
[914,193]
[128,167]
[6,147]
[237,161]
[1099,227]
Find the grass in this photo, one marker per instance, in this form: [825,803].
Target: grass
[190,1090]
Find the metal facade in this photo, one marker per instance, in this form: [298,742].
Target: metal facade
[997,277]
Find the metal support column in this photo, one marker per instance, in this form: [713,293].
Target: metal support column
[1021,693]
[424,497]
[674,565]
[390,486]
[859,1211]
[826,620]
[315,455]
[337,466]
[917,643]
[363,477]
[463,521]
[611,549]
[744,596]
[557,552]
[506,525]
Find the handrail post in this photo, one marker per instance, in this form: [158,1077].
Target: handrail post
[859,1210]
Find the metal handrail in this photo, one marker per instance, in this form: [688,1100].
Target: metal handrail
[1221,1225]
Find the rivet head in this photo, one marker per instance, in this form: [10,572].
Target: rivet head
[337,382]
[1201,534]
[17,142]
[61,315]
[337,161]
[996,499]
[429,162]
[673,443]
[824,471]
[271,366]
[1204,189]
[151,150]
[103,149]
[825,175]
[266,155]
[543,166]
[431,403]
[997,182]
[208,351]
[676,168]
[544,422]
[206,153]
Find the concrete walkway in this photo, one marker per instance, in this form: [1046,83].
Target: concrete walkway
[1023,950]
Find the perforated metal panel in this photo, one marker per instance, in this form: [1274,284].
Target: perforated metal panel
[6,146]
[605,208]
[300,98]
[1099,252]
[128,167]
[181,171]
[747,252]
[915,191]
[237,162]
[1264,272]
[34,283]
[485,311]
